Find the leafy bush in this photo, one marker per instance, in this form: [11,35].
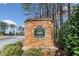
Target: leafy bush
[12,49]
[0,53]
[19,33]
[32,52]
[10,33]
[69,34]
[1,34]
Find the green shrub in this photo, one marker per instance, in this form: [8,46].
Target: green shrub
[69,34]
[32,52]
[0,53]
[12,49]
[19,43]
[10,33]
[1,34]
[19,33]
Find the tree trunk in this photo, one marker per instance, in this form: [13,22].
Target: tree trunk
[40,10]
[68,10]
[53,11]
[46,8]
[61,14]
[56,21]
[55,15]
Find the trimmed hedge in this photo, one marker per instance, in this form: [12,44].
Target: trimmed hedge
[69,34]
[12,49]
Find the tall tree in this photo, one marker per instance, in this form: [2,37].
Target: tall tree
[68,10]
[56,20]
[12,26]
[20,30]
[46,7]
[61,14]
[41,8]
[40,5]
[3,27]
[32,10]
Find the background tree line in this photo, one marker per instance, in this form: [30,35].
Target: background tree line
[12,29]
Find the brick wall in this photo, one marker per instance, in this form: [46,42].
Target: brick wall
[30,41]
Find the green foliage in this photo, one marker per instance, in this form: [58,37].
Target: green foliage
[12,49]
[19,33]
[69,34]
[32,52]
[25,6]
[0,53]
[3,27]
[1,34]
[10,33]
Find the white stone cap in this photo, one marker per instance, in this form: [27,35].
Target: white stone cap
[25,48]
[54,48]
[44,48]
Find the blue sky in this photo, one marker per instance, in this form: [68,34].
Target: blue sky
[12,12]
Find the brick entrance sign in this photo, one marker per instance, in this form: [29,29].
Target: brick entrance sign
[39,33]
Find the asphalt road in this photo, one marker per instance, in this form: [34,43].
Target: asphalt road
[10,40]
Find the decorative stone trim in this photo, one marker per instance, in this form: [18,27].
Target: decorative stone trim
[43,48]
[38,19]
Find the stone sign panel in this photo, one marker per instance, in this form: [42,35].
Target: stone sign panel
[38,32]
